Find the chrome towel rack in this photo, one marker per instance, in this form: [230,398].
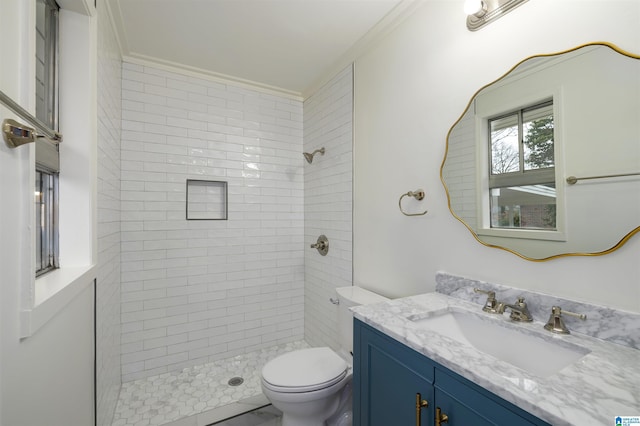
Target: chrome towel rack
[418,194]
[16,134]
[572,180]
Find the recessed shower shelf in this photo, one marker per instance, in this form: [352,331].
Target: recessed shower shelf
[206,200]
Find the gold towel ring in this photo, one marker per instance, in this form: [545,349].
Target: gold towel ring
[418,194]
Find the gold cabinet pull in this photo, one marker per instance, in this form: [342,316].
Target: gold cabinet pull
[420,404]
[441,417]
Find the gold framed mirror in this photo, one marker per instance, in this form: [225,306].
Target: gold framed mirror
[544,162]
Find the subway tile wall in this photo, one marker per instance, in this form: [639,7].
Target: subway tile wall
[201,290]
[460,173]
[108,190]
[328,123]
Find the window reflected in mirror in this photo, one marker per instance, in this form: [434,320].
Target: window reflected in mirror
[522,178]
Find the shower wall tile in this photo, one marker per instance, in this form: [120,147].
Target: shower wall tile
[201,290]
[108,181]
[328,123]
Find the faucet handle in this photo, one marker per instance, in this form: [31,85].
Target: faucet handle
[573,314]
[491,305]
[490,293]
[523,314]
[555,324]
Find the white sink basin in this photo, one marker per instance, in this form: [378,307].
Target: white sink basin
[523,349]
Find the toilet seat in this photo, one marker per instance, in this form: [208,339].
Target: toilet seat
[304,370]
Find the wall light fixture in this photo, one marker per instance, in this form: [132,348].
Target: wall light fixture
[481,12]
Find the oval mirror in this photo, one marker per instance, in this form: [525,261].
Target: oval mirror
[545,161]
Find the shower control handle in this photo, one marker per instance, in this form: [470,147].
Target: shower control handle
[322,245]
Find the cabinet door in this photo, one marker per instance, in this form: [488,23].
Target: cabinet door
[387,377]
[467,404]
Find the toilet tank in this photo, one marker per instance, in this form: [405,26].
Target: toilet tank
[348,297]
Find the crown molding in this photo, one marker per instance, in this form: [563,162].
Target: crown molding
[386,25]
[211,76]
[115,27]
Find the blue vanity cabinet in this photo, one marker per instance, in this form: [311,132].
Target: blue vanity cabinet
[389,381]
[387,375]
[469,404]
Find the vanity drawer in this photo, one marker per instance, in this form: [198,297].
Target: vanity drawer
[466,403]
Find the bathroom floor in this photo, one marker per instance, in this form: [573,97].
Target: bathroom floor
[201,395]
[267,416]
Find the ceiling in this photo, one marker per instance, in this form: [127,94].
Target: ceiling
[288,46]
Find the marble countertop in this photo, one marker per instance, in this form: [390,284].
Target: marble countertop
[603,384]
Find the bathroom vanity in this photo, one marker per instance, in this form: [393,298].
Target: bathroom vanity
[402,386]
[434,359]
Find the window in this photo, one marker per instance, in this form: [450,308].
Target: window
[46,231]
[522,169]
[46,62]
[47,155]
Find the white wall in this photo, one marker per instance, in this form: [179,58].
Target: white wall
[13,35]
[409,89]
[195,291]
[46,378]
[108,174]
[328,123]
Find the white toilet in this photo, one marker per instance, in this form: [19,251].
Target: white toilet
[312,387]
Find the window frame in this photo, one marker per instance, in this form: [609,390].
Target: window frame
[47,158]
[47,295]
[488,108]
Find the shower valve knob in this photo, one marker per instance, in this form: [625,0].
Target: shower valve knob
[322,245]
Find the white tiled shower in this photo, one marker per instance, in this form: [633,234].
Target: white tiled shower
[108,375]
[194,292]
[328,181]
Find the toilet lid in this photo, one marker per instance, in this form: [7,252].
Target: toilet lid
[304,370]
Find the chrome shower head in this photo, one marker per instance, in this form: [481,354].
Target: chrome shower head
[309,157]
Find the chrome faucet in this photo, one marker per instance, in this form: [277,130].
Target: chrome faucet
[491,303]
[519,310]
[555,324]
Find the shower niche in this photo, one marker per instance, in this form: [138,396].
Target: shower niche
[206,200]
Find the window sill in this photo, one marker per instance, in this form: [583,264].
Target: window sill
[523,233]
[53,291]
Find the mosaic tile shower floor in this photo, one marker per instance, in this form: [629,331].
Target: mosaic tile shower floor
[198,395]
